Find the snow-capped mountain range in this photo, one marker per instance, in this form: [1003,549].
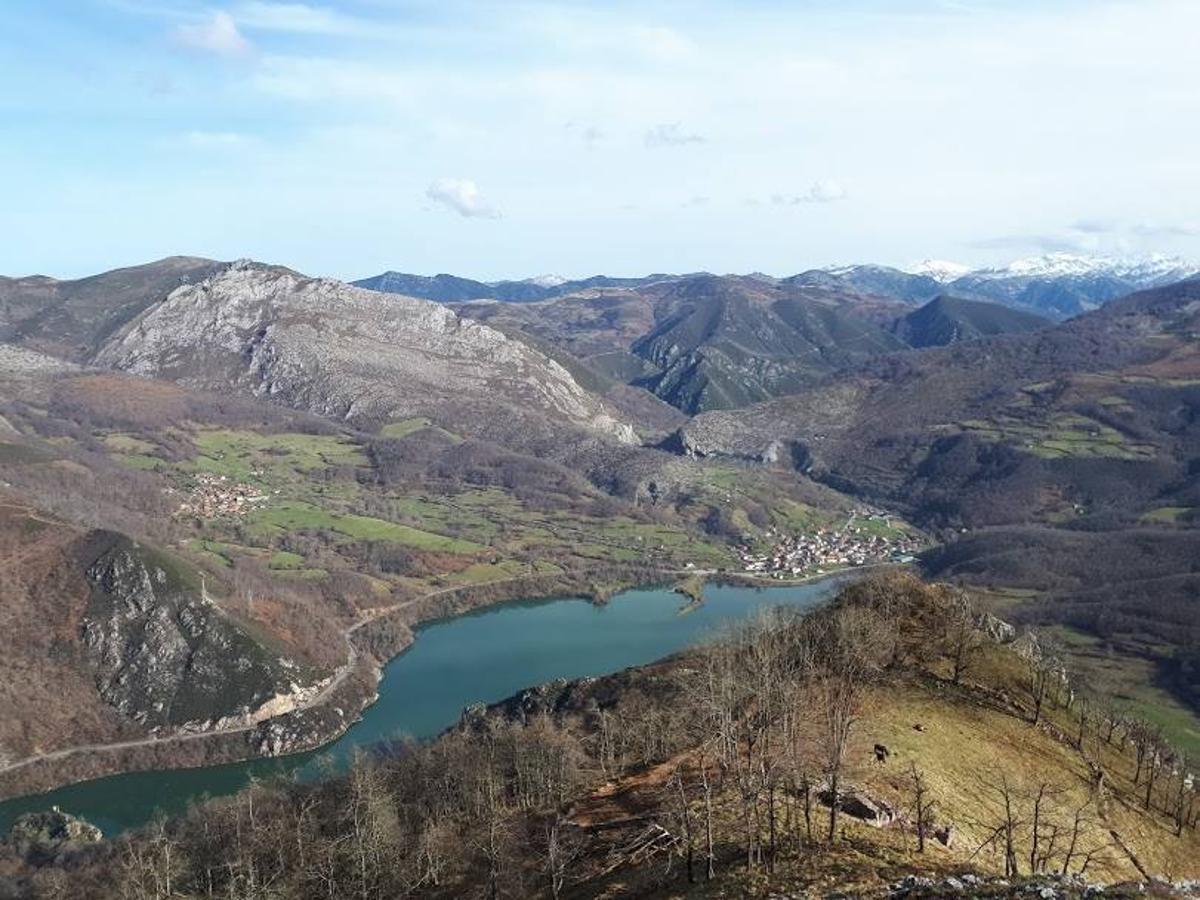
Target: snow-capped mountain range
[1058,285]
[1151,269]
[940,270]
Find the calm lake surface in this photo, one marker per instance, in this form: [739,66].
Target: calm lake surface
[480,657]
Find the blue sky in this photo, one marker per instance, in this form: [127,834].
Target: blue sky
[505,139]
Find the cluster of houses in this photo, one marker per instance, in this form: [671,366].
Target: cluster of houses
[213,496]
[827,549]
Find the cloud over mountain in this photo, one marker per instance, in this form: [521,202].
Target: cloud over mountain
[462,196]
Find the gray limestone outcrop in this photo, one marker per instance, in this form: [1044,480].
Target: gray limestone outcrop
[345,352]
[164,655]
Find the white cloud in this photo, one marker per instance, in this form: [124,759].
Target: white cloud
[671,134]
[824,191]
[462,196]
[218,35]
[1093,226]
[584,30]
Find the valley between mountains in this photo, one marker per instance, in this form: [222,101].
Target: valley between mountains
[230,491]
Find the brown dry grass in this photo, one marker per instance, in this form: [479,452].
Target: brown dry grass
[964,736]
[123,398]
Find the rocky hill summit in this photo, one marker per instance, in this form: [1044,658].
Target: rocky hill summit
[163,654]
[345,352]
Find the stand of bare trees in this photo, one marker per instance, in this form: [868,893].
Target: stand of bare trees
[741,752]
[1034,834]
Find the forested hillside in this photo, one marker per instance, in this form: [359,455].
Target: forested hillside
[892,744]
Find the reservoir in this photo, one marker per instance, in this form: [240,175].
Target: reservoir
[480,657]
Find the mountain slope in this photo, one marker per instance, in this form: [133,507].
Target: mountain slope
[135,643]
[447,288]
[722,343]
[1127,368]
[948,320]
[345,352]
[705,341]
[70,319]
[1092,426]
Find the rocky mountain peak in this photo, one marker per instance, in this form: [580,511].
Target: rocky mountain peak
[343,351]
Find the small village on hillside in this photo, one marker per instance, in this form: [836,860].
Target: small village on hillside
[867,537]
[212,496]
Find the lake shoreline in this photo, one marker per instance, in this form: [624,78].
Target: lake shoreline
[379,642]
[376,642]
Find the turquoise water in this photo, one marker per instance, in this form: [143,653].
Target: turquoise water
[480,657]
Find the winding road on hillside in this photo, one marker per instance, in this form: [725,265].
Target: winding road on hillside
[338,678]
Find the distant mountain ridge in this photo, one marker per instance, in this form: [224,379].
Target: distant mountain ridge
[445,288]
[1057,285]
[725,344]
[705,341]
[702,342]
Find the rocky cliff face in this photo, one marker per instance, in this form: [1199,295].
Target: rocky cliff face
[345,352]
[163,654]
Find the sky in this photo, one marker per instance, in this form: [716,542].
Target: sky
[505,138]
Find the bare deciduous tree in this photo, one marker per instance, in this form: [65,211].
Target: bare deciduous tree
[922,805]
[963,638]
[843,653]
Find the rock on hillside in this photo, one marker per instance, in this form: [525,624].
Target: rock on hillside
[163,654]
[52,837]
[104,639]
[346,352]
